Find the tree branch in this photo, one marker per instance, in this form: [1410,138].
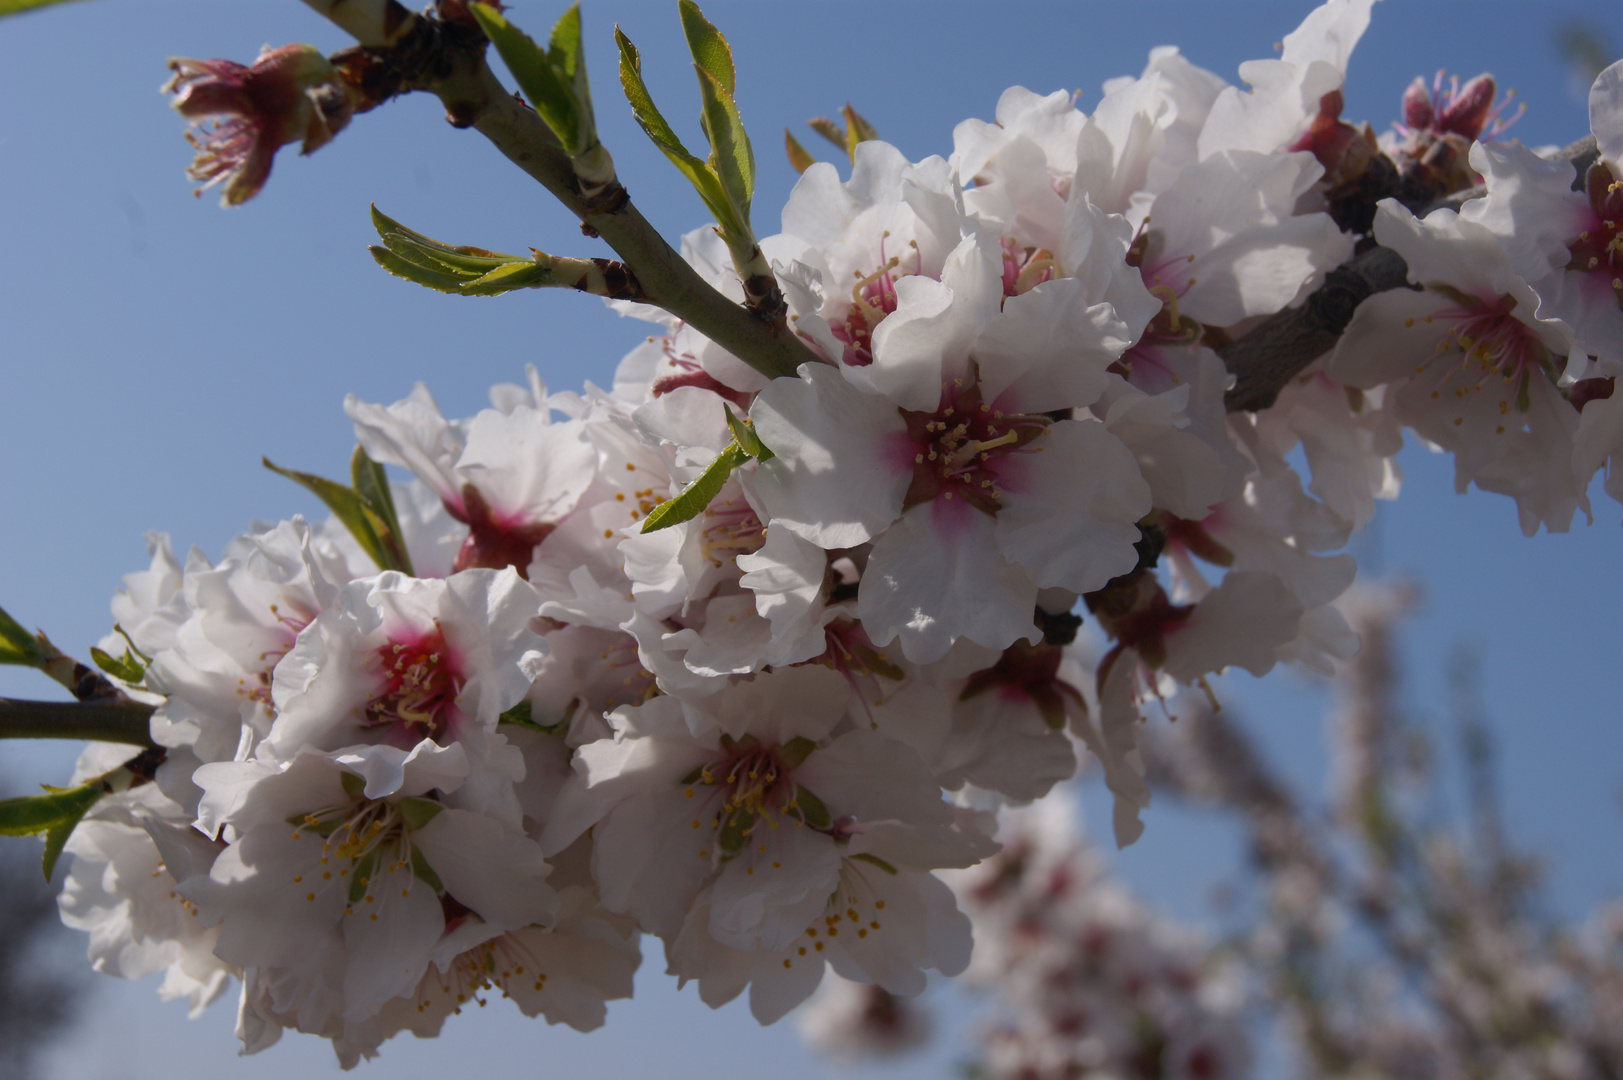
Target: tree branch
[446,58]
[123,721]
[1265,360]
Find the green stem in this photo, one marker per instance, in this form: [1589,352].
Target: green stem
[113,721]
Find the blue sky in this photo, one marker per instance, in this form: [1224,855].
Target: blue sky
[154,346]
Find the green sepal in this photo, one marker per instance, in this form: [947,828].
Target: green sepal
[424,872]
[698,173]
[360,875]
[523,715]
[354,784]
[29,815]
[419,812]
[127,667]
[692,500]
[552,92]
[876,861]
[812,810]
[796,750]
[320,828]
[371,483]
[18,646]
[735,830]
[693,777]
[348,507]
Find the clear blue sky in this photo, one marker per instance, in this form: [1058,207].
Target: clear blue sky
[153,346]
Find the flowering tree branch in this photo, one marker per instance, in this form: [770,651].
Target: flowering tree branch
[1265,360]
[400,53]
[113,721]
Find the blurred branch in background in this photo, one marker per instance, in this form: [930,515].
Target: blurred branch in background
[1587,49]
[40,966]
[1393,931]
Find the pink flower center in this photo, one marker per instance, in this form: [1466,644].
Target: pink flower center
[752,783]
[960,448]
[495,541]
[1491,343]
[419,687]
[731,529]
[1026,268]
[872,298]
[1598,251]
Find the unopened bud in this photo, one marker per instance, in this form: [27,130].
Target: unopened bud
[1470,110]
[1418,115]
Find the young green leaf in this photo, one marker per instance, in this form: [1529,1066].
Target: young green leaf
[731,159]
[372,485]
[828,129]
[710,50]
[552,97]
[799,159]
[437,280]
[569,61]
[14,7]
[857,130]
[653,124]
[18,646]
[528,274]
[126,667]
[29,815]
[347,507]
[744,434]
[692,500]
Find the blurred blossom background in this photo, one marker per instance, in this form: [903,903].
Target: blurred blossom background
[154,346]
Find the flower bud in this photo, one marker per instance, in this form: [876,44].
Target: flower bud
[1418,115]
[1470,110]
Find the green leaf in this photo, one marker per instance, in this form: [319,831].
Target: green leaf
[568,60]
[876,861]
[710,50]
[419,812]
[552,97]
[348,507]
[697,495]
[437,280]
[372,485]
[18,646]
[731,159]
[527,274]
[653,124]
[16,7]
[458,260]
[857,130]
[799,159]
[29,815]
[744,433]
[56,838]
[828,129]
[424,872]
[796,750]
[361,875]
[127,667]
[812,810]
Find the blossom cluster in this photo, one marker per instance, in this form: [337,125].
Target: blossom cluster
[760,733]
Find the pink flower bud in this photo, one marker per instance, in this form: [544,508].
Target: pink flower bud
[1470,109]
[1418,114]
[290,94]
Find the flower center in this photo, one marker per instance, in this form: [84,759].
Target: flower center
[752,784]
[1026,268]
[959,447]
[494,543]
[1491,342]
[1598,250]
[873,296]
[420,684]
[731,529]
